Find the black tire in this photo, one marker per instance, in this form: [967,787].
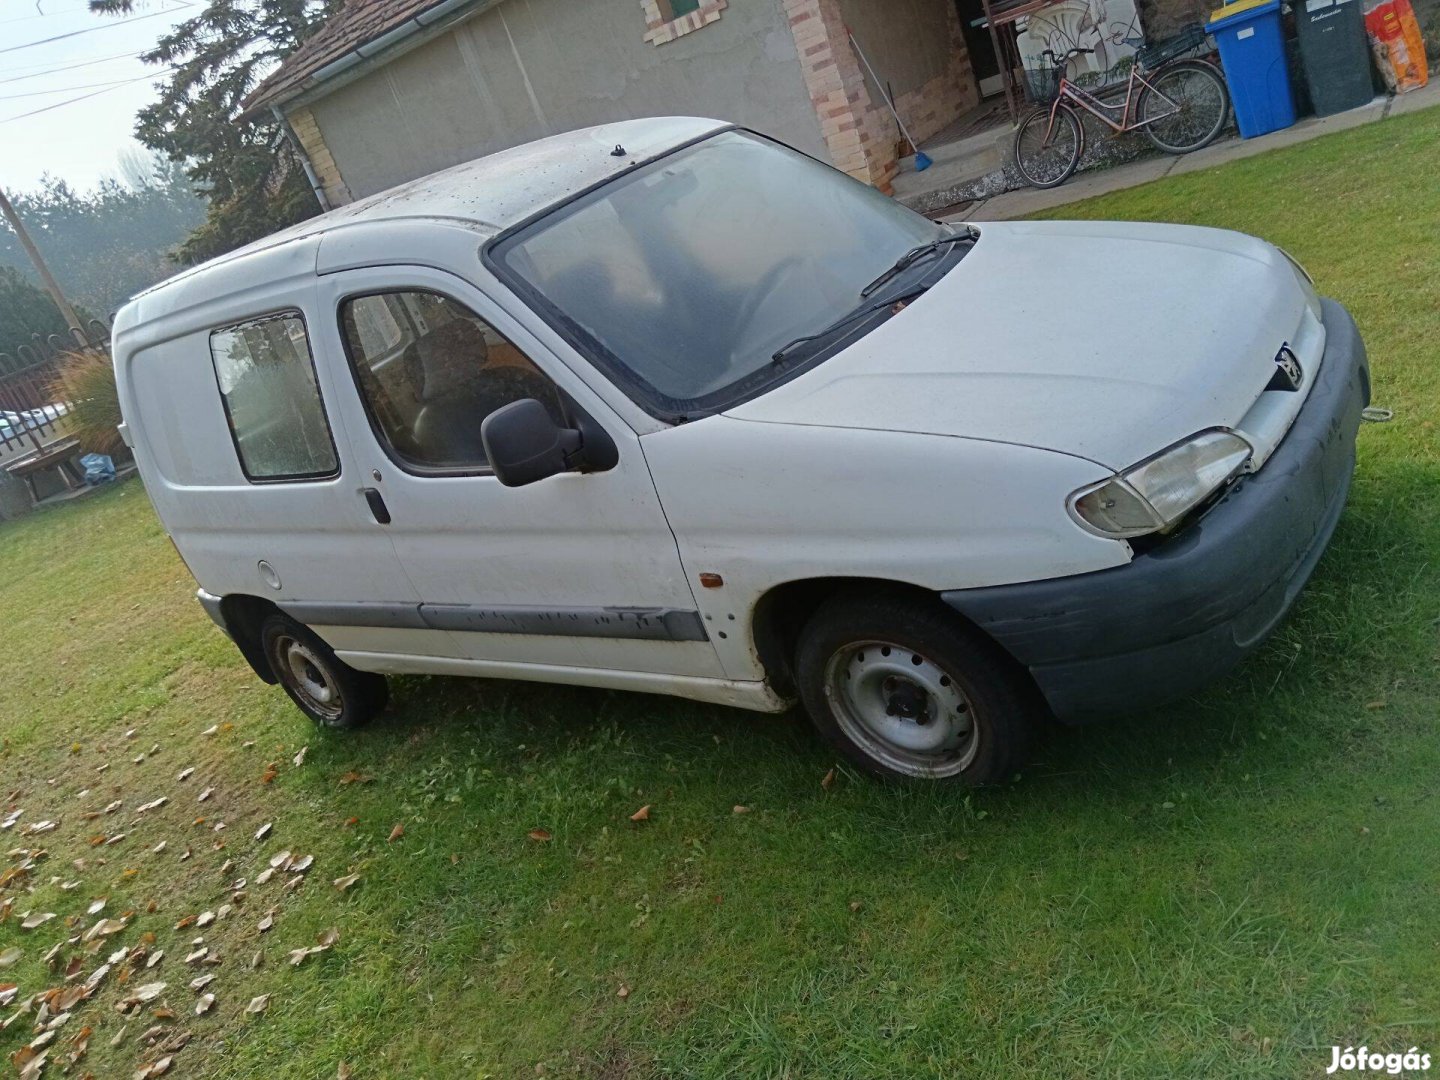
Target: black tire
[308,670]
[1199,91]
[1047,156]
[980,713]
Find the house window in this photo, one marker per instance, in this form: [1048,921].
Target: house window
[666,20]
[267,383]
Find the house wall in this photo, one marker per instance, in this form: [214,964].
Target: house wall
[525,69]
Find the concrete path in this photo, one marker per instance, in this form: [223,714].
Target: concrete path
[1013,204]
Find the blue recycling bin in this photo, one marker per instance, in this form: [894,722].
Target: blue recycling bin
[1252,51]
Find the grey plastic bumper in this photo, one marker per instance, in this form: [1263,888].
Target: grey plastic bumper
[1179,616]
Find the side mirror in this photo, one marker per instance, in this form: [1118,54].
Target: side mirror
[523,444]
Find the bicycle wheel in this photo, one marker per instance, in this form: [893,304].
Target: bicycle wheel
[1184,106]
[1045,153]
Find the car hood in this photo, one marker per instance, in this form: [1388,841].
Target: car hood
[1105,340]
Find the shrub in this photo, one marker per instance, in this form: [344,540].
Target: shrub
[85,380]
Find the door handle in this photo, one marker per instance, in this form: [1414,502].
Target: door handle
[377,505]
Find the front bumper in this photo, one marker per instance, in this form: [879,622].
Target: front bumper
[1184,613]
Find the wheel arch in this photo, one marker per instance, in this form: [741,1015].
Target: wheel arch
[781,613]
[242,616]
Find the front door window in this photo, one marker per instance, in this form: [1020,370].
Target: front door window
[430,370]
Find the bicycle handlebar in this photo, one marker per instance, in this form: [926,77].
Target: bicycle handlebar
[1069,53]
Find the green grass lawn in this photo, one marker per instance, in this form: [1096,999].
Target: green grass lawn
[1223,888]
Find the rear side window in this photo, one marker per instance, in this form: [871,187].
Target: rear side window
[430,370]
[267,380]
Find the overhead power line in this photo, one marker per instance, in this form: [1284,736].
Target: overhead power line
[64,89]
[93,29]
[83,97]
[69,67]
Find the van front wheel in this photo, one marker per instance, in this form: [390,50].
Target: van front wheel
[326,689]
[904,688]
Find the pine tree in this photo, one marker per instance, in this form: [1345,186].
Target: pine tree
[244,165]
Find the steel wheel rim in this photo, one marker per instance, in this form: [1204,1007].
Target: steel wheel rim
[1197,94]
[902,708]
[1027,155]
[308,677]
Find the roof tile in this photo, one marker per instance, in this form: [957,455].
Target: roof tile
[358,22]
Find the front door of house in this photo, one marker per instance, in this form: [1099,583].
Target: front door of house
[983,61]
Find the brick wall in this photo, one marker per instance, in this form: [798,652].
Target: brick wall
[302,122]
[859,131]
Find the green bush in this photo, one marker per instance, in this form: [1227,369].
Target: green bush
[86,382]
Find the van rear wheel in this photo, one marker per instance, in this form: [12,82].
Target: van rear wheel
[325,688]
[905,688]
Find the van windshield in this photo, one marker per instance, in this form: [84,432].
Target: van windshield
[683,277]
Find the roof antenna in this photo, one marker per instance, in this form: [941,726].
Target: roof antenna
[619,151]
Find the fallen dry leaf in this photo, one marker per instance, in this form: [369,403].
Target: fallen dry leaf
[623,992]
[300,757]
[395,833]
[258,1005]
[263,831]
[264,876]
[343,1072]
[203,981]
[739,809]
[271,771]
[32,921]
[184,774]
[11,956]
[205,794]
[7,993]
[96,906]
[153,804]
[829,781]
[211,730]
[265,924]
[643,814]
[279,859]
[154,1069]
[343,883]
[205,918]
[148,992]
[539,834]
[114,806]
[204,1004]
[355,778]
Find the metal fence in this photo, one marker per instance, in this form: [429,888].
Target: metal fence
[32,408]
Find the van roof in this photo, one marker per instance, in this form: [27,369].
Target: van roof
[490,194]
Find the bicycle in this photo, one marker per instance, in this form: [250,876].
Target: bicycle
[1180,105]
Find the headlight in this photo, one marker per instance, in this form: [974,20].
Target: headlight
[1154,495]
[1307,283]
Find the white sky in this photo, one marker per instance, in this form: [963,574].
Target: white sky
[80,141]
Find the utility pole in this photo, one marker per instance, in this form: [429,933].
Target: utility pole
[51,285]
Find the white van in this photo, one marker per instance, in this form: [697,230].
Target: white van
[667,406]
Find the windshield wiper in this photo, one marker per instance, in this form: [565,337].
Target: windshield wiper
[780,354]
[915,254]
